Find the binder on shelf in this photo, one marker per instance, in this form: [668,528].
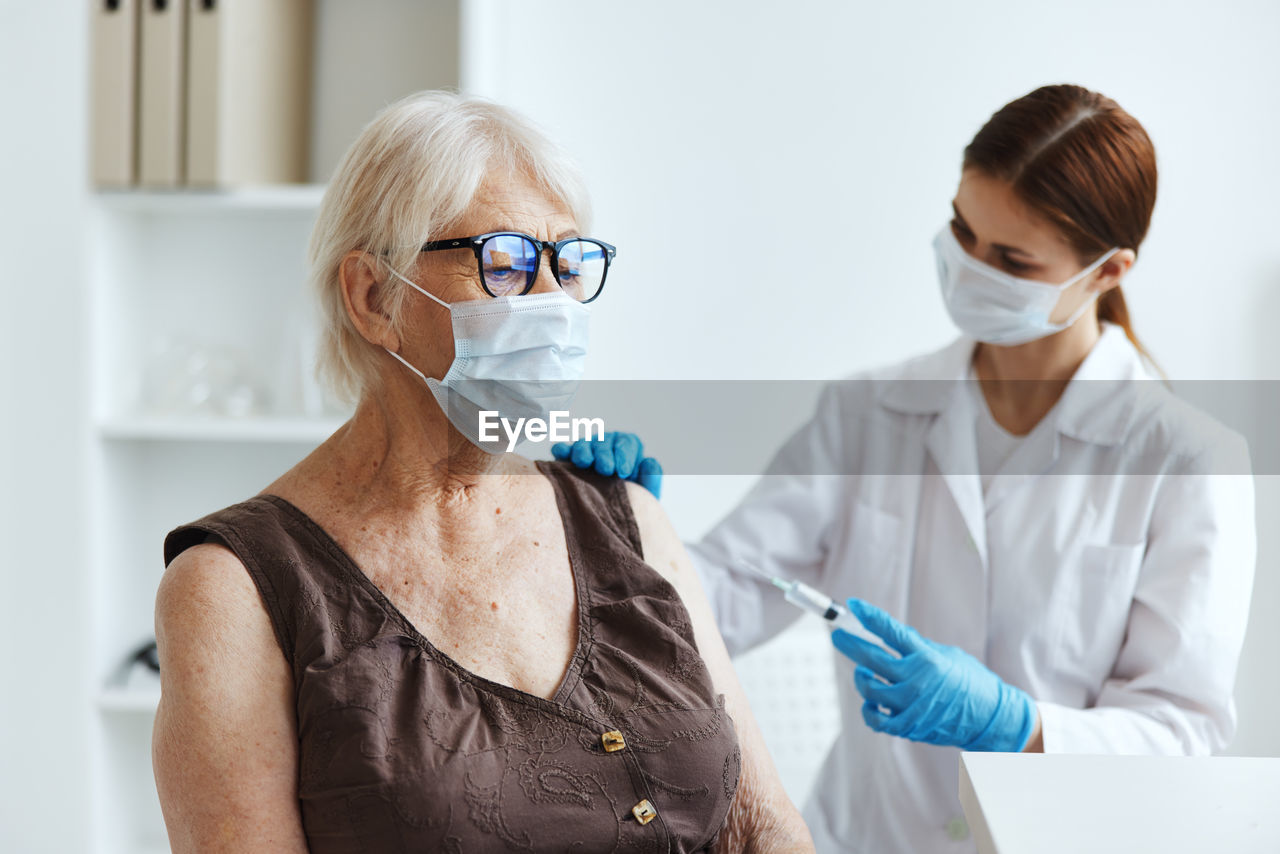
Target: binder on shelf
[113,159]
[248,91]
[161,93]
[373,52]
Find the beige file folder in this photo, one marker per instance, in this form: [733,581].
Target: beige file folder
[161,93]
[114,158]
[248,91]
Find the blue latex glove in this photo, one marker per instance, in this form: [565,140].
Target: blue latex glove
[934,693]
[620,454]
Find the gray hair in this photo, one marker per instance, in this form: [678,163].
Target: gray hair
[412,172]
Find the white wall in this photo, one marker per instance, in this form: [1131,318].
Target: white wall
[729,124]
[722,139]
[44,704]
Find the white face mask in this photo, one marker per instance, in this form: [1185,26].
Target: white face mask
[995,307]
[519,356]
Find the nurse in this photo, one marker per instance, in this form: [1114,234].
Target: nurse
[1059,550]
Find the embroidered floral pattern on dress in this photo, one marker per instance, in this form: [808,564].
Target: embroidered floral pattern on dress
[555,782]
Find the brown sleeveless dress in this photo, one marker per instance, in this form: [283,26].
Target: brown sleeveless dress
[403,749]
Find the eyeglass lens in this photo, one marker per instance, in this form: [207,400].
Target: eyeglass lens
[510,265]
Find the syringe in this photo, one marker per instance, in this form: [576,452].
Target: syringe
[836,615]
[816,602]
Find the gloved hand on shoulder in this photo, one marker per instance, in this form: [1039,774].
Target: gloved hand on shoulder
[620,454]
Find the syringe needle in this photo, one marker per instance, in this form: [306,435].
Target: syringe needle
[777,582]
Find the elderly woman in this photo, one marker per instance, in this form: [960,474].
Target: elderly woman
[480,653]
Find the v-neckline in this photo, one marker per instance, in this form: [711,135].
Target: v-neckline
[558,701]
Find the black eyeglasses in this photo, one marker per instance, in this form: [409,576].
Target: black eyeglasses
[509,262]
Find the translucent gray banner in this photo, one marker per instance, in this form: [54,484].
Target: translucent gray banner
[851,427]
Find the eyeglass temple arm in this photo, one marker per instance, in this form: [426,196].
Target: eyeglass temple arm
[435,245]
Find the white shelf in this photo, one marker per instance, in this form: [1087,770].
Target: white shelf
[254,429]
[283,197]
[221,273]
[131,700]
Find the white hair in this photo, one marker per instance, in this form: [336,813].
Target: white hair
[411,173]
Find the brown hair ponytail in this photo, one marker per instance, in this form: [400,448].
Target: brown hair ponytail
[1078,159]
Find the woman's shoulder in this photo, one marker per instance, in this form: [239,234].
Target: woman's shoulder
[1185,430]
[207,612]
[258,556]
[206,577]
[591,501]
[1117,399]
[585,488]
[204,561]
[233,521]
[662,547]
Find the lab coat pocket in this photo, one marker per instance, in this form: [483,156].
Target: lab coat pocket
[875,552]
[1094,626]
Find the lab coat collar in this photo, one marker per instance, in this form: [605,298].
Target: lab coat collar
[949,440]
[931,383]
[1098,405]
[935,385]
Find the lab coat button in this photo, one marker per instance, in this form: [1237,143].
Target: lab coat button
[957,829]
[644,812]
[613,741]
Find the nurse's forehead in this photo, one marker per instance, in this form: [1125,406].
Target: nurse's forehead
[991,209]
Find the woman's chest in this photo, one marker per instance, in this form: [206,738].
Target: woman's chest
[502,604]
[399,752]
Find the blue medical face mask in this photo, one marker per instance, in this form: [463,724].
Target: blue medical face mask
[992,306]
[519,356]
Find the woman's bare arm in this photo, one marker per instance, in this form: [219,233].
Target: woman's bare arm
[762,817]
[225,744]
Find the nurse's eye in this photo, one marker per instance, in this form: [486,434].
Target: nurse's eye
[1016,266]
[963,234]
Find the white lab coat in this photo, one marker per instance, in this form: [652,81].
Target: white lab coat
[1109,576]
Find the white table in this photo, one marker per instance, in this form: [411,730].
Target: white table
[1023,803]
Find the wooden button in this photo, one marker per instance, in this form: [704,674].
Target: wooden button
[644,812]
[613,741]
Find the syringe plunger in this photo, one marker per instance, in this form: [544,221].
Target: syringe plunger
[813,601]
[837,616]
